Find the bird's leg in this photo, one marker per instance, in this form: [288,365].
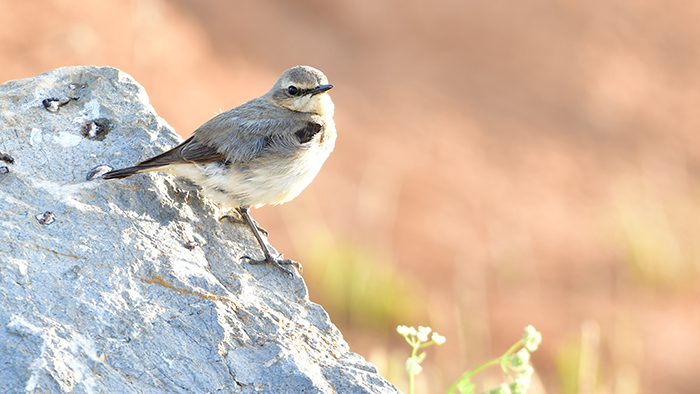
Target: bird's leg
[280,263]
[239,220]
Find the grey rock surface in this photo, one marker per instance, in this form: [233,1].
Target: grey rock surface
[133,286]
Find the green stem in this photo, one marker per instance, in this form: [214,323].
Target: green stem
[510,352]
[412,372]
[469,373]
[513,348]
[485,365]
[426,344]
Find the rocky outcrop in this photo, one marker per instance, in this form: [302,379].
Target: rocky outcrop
[133,286]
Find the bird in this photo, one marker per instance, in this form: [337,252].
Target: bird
[262,152]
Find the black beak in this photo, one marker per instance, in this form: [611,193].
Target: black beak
[320,89]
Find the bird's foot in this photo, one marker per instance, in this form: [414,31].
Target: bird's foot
[238,220]
[280,263]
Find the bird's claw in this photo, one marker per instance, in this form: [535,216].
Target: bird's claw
[279,263]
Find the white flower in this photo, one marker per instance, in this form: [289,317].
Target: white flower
[413,366]
[532,338]
[439,339]
[423,333]
[519,359]
[522,381]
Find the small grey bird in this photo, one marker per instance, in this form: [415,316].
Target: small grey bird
[265,151]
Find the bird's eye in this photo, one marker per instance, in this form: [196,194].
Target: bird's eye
[292,90]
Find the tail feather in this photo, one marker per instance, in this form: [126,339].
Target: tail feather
[125,172]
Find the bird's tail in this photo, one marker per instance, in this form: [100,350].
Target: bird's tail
[128,171]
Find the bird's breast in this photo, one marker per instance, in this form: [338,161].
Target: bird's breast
[328,135]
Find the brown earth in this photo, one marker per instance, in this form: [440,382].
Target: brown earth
[516,162]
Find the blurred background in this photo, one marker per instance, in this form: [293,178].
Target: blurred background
[499,164]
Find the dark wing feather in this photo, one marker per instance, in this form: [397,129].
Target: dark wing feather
[190,151]
[308,132]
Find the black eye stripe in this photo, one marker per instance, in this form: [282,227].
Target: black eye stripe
[297,92]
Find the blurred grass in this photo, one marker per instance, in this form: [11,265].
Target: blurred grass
[659,226]
[567,365]
[581,371]
[360,288]
[364,294]
[578,361]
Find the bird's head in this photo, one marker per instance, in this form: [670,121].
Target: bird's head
[302,89]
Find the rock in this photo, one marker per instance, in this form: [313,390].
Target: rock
[133,286]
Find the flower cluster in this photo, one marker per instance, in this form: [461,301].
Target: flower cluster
[419,336]
[418,339]
[515,363]
[532,338]
[518,386]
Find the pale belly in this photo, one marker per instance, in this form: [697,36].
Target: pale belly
[261,182]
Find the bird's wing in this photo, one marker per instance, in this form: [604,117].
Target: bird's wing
[242,133]
[254,128]
[266,137]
